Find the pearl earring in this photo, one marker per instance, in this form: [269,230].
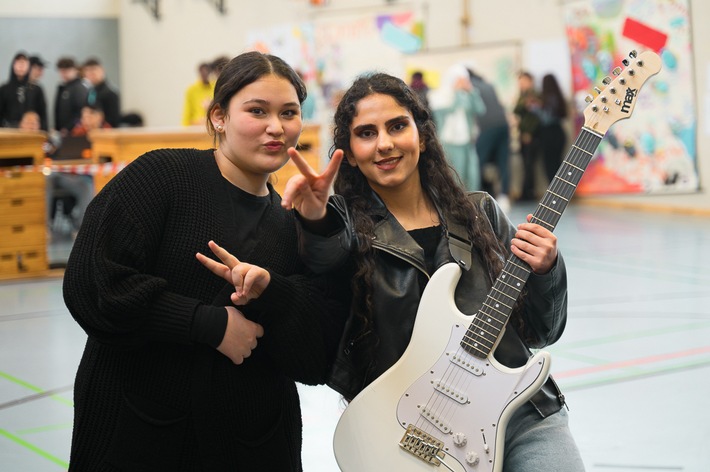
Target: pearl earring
[219,128]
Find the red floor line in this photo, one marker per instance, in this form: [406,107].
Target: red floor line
[632,362]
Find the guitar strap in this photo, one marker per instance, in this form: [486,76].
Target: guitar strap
[459,245]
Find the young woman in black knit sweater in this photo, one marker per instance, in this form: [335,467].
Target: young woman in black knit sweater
[175,374]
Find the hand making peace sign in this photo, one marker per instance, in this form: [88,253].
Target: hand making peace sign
[249,280]
[308,192]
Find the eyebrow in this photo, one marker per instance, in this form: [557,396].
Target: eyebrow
[262,101]
[387,123]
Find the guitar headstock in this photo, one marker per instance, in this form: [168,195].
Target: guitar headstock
[618,98]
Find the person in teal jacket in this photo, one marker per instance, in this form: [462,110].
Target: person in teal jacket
[456,104]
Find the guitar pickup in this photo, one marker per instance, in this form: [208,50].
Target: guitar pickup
[422,445]
[467,363]
[436,420]
[450,392]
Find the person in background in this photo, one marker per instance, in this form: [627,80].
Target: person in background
[132,120]
[456,104]
[552,111]
[528,126]
[198,97]
[92,117]
[399,214]
[217,65]
[418,84]
[181,372]
[79,188]
[71,96]
[101,94]
[30,121]
[18,95]
[308,108]
[493,142]
[37,66]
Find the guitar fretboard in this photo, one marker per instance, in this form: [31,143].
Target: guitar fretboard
[488,324]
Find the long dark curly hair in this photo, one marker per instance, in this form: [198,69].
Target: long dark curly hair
[439,182]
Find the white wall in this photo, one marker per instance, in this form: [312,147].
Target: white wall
[159,57]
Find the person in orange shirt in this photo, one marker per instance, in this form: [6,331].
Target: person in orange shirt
[92,117]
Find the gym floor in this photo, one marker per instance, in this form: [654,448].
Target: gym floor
[634,361]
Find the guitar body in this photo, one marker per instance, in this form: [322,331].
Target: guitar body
[457,399]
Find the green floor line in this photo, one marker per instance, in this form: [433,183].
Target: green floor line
[34,449]
[625,376]
[36,389]
[17,381]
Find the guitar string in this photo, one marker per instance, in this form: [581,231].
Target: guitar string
[452,378]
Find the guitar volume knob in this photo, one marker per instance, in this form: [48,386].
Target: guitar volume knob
[459,439]
[472,458]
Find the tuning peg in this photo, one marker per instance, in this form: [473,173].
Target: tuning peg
[588,98]
[607,80]
[633,54]
[597,89]
[616,71]
[625,62]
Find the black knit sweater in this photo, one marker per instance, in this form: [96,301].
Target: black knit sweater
[147,397]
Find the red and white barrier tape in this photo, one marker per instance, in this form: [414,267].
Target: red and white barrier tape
[107,168]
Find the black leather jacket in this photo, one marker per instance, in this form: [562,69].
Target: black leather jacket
[399,280]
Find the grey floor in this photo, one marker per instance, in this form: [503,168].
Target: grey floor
[634,361]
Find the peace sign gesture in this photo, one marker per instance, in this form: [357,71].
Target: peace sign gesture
[249,280]
[308,192]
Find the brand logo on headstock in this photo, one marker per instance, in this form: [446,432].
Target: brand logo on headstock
[628,100]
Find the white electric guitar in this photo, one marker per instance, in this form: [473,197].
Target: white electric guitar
[445,404]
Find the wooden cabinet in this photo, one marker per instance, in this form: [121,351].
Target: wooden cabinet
[123,145]
[23,237]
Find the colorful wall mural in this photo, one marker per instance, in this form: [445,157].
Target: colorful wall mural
[333,50]
[655,150]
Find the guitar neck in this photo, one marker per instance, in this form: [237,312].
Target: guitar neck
[487,326]
[563,185]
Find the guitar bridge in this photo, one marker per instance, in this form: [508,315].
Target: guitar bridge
[422,445]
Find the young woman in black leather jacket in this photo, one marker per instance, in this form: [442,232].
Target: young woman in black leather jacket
[398,214]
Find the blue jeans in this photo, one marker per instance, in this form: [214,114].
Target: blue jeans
[493,146]
[536,444]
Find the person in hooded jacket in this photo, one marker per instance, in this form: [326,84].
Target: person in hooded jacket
[71,96]
[18,95]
